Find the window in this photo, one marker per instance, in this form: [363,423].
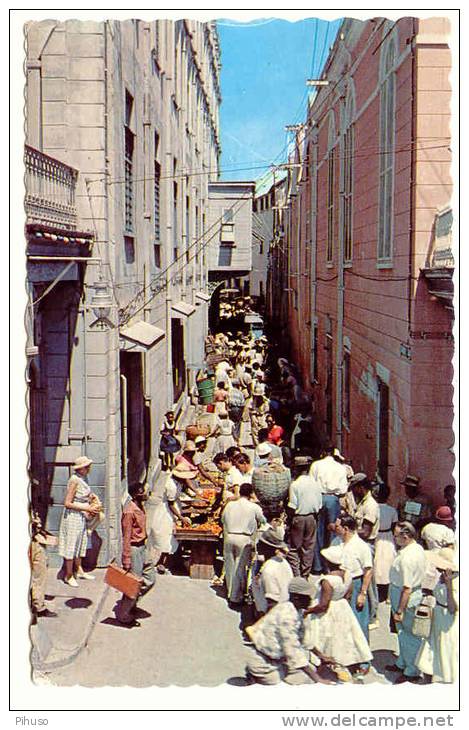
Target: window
[175,211]
[129,246]
[227,226]
[156,202]
[347,179]
[346,378]
[197,234]
[330,206]
[225,254]
[157,255]
[128,164]
[386,172]
[261,248]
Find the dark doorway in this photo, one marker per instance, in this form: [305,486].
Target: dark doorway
[383,430]
[133,439]
[178,361]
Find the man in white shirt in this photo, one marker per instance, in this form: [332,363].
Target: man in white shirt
[358,560]
[331,474]
[240,519]
[232,476]
[242,462]
[367,516]
[304,504]
[270,585]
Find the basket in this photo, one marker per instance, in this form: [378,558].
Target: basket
[208,421]
[271,484]
[195,430]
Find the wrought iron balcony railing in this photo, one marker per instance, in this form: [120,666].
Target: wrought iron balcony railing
[50,190]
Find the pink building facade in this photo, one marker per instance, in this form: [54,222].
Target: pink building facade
[369,287]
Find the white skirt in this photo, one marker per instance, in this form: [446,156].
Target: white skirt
[385,553]
[337,634]
[160,534]
[439,655]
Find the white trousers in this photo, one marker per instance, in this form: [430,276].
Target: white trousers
[237,551]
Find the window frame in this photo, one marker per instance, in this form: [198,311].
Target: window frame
[387,133]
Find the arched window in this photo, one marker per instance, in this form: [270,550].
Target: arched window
[330,190]
[347,158]
[386,148]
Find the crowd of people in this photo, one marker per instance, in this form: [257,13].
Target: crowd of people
[308,565]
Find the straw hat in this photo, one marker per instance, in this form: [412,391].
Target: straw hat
[270,538]
[81,462]
[443,559]
[182,473]
[410,480]
[333,554]
[200,440]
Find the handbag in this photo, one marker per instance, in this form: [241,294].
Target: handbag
[422,622]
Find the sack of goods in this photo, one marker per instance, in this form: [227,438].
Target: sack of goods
[271,483]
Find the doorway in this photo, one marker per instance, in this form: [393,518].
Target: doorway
[178,361]
[383,430]
[134,423]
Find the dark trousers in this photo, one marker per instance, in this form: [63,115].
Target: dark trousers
[328,514]
[235,413]
[302,540]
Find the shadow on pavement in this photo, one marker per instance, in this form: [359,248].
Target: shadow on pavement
[382,658]
[78,603]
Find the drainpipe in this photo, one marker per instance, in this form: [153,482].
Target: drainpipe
[313,272]
[113,472]
[412,190]
[340,294]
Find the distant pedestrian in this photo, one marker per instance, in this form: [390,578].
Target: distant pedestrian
[438,534]
[385,548]
[38,561]
[415,508]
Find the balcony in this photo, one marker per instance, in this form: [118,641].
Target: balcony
[50,191]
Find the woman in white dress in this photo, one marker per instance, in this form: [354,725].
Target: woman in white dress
[332,627]
[385,547]
[439,654]
[80,504]
[161,533]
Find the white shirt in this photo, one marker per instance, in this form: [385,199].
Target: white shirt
[387,517]
[233,477]
[272,582]
[247,477]
[356,557]
[242,517]
[331,475]
[437,536]
[368,509]
[409,566]
[305,495]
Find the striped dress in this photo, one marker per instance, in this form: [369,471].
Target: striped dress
[73,538]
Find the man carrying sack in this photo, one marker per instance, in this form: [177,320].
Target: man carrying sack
[134,553]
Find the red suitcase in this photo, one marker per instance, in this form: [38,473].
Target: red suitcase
[123,580]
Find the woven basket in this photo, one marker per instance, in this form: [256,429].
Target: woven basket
[208,421]
[271,483]
[195,430]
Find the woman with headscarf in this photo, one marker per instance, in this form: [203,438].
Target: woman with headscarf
[165,515]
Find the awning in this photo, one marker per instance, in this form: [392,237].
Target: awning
[142,333]
[183,309]
[202,296]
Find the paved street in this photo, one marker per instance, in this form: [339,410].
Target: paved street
[188,636]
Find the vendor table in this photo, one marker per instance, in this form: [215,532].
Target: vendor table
[203,550]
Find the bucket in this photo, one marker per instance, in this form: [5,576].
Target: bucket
[205,387]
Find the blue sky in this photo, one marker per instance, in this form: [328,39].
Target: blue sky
[265,65]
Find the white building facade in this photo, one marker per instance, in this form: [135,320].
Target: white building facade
[122,142]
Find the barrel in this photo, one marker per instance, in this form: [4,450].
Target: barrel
[271,484]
